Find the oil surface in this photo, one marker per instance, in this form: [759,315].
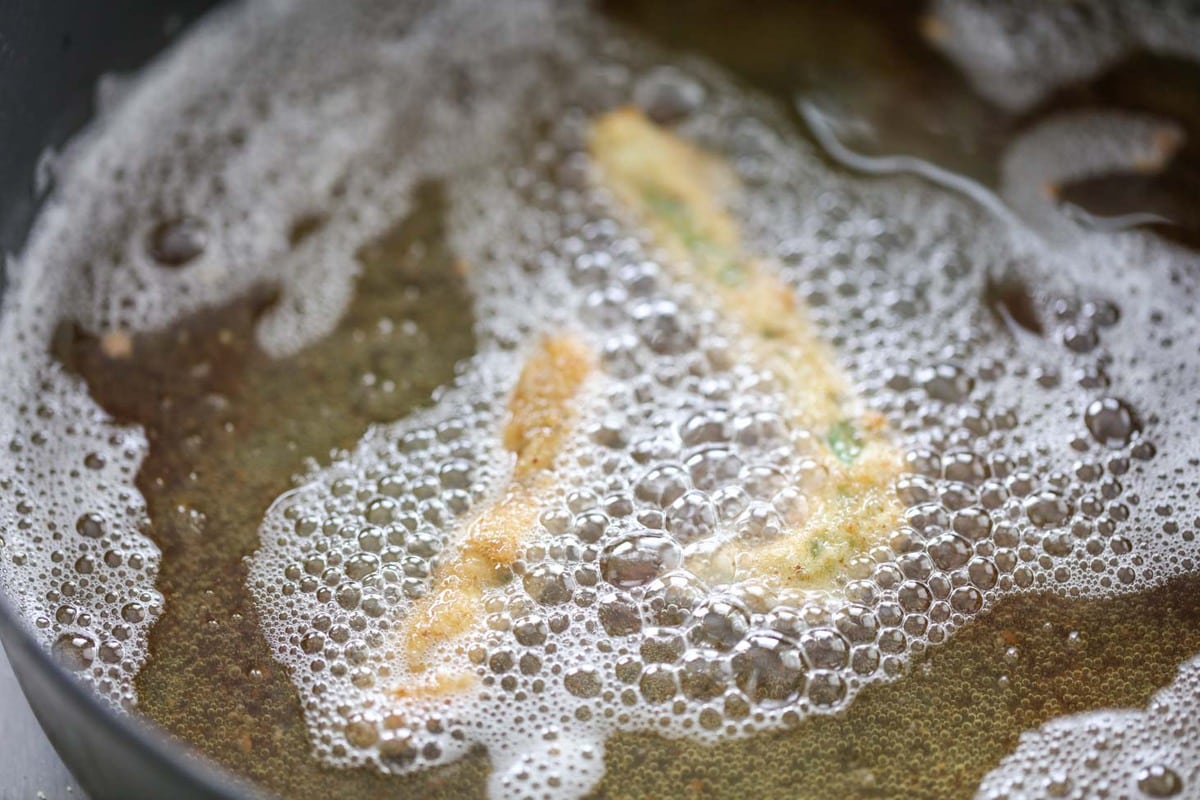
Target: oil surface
[229,425]
[215,407]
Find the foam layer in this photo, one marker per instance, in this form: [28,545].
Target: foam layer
[1017,53]
[1151,752]
[174,200]
[1041,390]
[1019,446]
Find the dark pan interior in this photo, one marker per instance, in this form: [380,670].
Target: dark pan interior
[51,55]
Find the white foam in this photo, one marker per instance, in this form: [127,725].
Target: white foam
[290,108]
[1150,752]
[1048,156]
[1017,52]
[223,152]
[914,329]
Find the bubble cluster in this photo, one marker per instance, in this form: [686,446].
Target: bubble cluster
[169,202]
[1053,457]
[1148,753]
[1016,53]
[1017,455]
[71,550]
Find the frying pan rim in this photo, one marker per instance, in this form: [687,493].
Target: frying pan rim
[140,734]
[138,737]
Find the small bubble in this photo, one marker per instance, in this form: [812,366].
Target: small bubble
[174,243]
[668,95]
[619,616]
[638,559]
[657,683]
[826,688]
[1047,509]
[583,681]
[549,583]
[1159,781]
[691,517]
[1058,786]
[702,677]
[824,649]
[1080,338]
[945,382]
[90,525]
[719,624]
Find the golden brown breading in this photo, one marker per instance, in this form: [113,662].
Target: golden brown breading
[677,191]
[541,408]
[845,517]
[542,414]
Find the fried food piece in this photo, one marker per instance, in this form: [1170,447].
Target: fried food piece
[442,683]
[541,408]
[676,192]
[542,414]
[845,517]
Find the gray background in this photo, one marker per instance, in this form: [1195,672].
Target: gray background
[29,767]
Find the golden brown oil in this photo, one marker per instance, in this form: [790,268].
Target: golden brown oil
[229,427]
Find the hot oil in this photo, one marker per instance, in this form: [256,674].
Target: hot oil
[877,64]
[229,427]
[231,419]
[941,728]
[215,407]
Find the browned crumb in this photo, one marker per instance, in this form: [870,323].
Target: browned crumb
[541,407]
[440,684]
[933,28]
[541,415]
[676,192]
[116,344]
